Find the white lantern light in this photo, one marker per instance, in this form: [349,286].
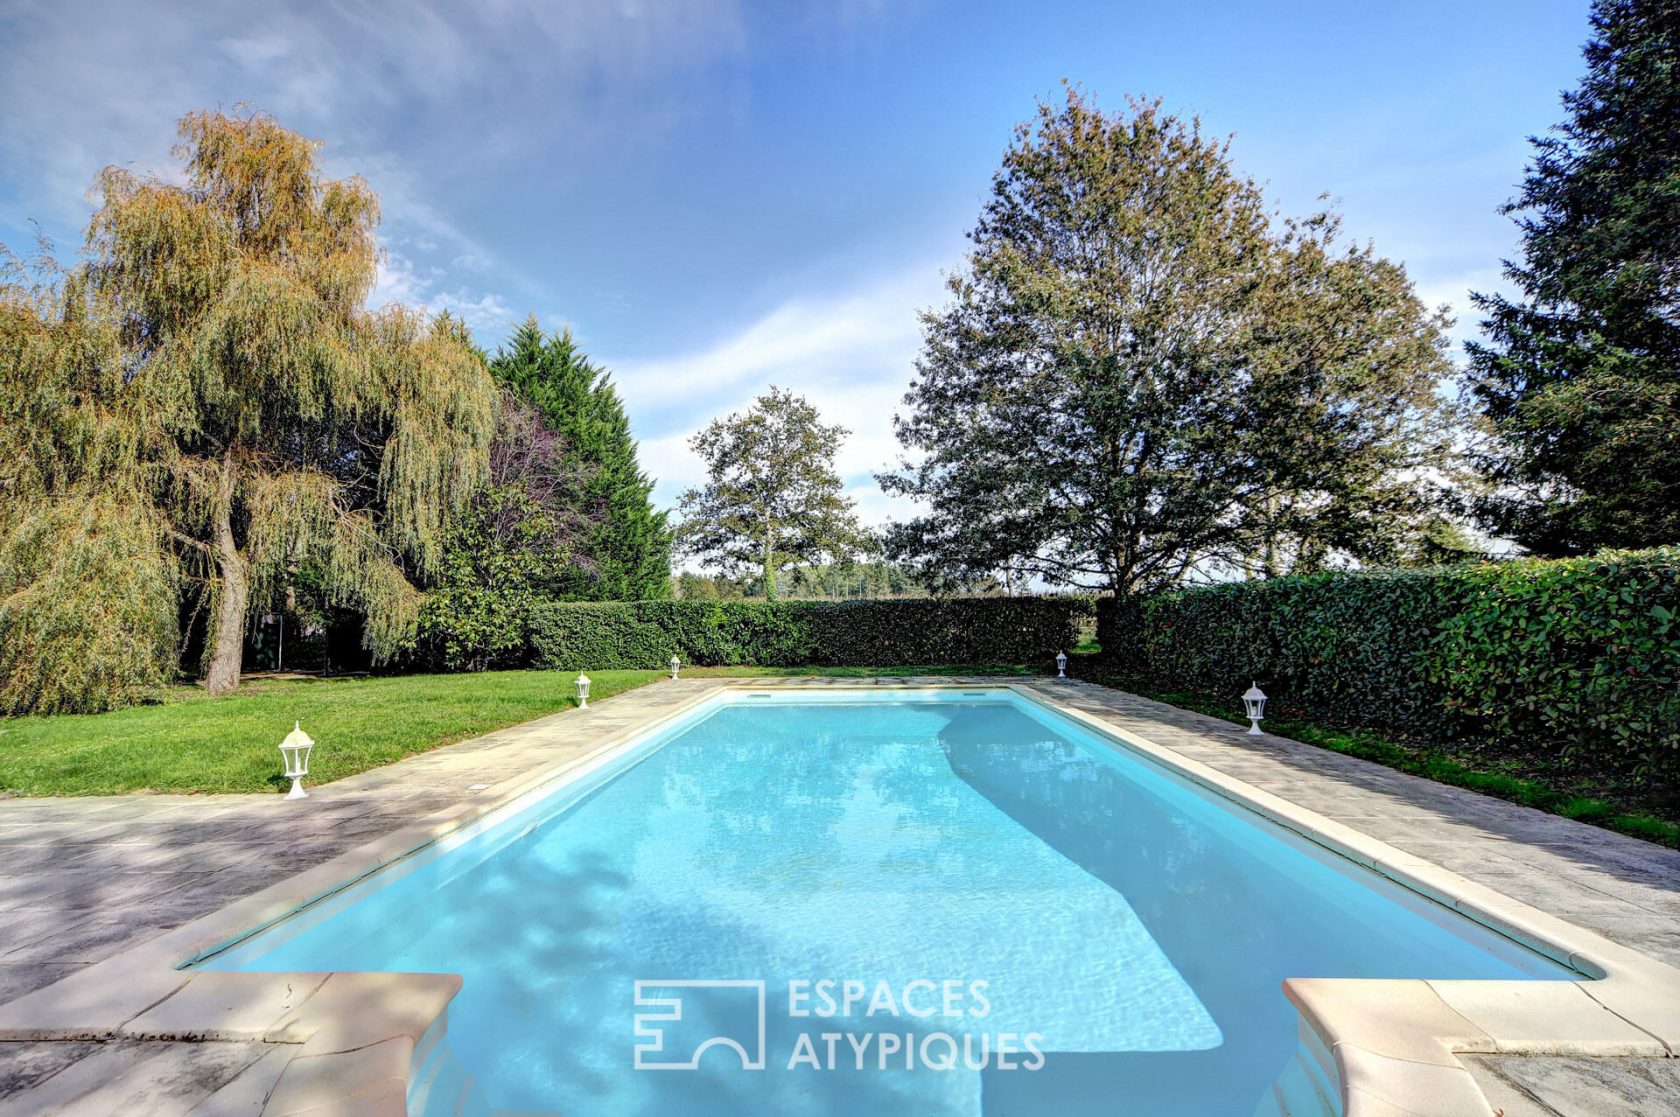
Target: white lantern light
[583,692]
[1061,665]
[675,663]
[1254,705]
[295,749]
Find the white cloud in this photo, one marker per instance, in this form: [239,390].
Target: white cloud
[257,50]
[803,341]
[86,83]
[483,312]
[401,281]
[850,354]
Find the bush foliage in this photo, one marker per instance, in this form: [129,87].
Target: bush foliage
[645,634]
[1580,657]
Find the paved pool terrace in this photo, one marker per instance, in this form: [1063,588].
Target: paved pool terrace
[96,895]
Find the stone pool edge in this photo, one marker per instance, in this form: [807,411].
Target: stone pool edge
[1394,1042]
[354,1043]
[355,1039]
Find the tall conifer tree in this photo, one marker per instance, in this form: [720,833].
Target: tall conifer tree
[1580,375]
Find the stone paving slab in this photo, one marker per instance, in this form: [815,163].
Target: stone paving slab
[1623,888]
[1567,1086]
[134,867]
[154,1079]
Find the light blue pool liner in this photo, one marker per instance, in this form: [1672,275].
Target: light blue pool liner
[1138,925]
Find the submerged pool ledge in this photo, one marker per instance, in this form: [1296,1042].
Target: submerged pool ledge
[350,1042]
[1395,1042]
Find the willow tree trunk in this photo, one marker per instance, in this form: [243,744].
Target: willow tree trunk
[233,597]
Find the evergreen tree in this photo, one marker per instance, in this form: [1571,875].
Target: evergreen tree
[630,544]
[1580,377]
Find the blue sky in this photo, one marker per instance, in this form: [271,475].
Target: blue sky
[717,196]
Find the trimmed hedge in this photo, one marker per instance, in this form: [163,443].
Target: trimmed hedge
[899,632]
[1578,656]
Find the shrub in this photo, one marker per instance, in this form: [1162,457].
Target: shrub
[645,634]
[1580,657]
[1583,654]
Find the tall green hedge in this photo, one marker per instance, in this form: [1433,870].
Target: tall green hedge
[645,634]
[1577,656]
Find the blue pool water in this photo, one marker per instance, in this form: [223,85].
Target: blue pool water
[973,869]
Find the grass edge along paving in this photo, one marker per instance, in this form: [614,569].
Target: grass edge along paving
[193,743]
[1442,767]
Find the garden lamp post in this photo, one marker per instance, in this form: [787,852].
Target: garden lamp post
[675,663]
[1061,665]
[295,750]
[583,692]
[1254,706]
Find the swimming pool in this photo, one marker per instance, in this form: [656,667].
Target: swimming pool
[830,897]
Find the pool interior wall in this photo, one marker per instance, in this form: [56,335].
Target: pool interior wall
[1137,924]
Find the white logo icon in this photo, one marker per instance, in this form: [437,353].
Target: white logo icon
[650,1030]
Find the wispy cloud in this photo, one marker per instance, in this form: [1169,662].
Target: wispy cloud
[851,354]
[411,95]
[841,338]
[426,288]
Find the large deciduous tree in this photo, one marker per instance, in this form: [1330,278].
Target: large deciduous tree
[629,545]
[1580,375]
[1143,377]
[211,376]
[772,498]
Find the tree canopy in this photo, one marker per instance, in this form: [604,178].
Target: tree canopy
[1142,376]
[772,498]
[519,541]
[1579,377]
[629,545]
[205,403]
[831,581]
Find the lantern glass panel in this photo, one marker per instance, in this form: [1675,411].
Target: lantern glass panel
[297,759]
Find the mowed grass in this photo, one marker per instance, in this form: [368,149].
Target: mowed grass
[196,743]
[193,743]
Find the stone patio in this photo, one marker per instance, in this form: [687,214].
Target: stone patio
[82,880]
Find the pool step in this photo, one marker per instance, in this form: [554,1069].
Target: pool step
[1304,1088]
[443,1088]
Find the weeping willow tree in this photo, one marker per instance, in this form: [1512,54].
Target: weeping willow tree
[210,378]
[87,587]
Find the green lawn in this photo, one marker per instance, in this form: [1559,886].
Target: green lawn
[195,743]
